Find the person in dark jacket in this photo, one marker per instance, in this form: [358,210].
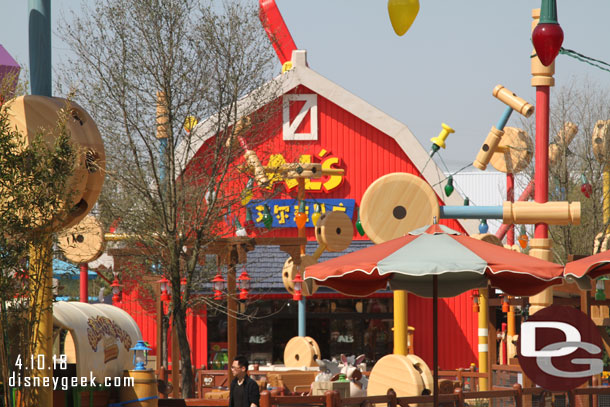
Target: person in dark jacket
[244,390]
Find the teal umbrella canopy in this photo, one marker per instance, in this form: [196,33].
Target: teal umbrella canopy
[459,263]
[413,265]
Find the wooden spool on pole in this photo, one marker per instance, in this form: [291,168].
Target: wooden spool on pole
[334,231]
[396,204]
[401,373]
[83,242]
[301,351]
[514,153]
[290,271]
[32,115]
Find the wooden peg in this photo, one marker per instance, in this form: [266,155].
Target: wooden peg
[518,104]
[488,148]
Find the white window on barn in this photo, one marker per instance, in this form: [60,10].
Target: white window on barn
[300,116]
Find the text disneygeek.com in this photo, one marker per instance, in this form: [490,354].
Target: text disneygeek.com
[64,383]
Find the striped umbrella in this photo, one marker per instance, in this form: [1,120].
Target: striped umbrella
[459,262]
[435,261]
[586,269]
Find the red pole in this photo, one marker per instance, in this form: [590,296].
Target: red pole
[524,197]
[541,179]
[510,196]
[84,281]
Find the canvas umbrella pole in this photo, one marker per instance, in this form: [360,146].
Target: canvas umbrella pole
[435,336]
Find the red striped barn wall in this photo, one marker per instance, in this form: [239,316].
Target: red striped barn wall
[366,154]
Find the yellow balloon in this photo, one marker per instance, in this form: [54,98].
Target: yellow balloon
[402,14]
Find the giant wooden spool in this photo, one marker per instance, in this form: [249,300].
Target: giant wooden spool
[601,140]
[290,270]
[334,231]
[301,351]
[516,152]
[396,204]
[83,242]
[32,115]
[408,375]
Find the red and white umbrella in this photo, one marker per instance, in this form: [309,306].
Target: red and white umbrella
[591,266]
[461,263]
[435,261]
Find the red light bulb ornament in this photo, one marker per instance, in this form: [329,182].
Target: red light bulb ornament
[301,217]
[548,35]
[585,188]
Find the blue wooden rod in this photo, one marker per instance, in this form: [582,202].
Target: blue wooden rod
[505,116]
[471,212]
[302,329]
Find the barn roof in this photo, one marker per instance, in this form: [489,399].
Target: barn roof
[265,263]
[302,75]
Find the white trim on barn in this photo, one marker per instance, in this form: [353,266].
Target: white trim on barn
[301,74]
[290,128]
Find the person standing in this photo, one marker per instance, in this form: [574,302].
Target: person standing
[244,390]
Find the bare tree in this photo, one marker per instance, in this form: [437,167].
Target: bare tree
[583,104]
[141,68]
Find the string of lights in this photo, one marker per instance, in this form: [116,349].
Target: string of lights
[583,58]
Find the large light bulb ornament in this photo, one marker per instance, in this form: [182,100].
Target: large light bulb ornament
[402,14]
[547,37]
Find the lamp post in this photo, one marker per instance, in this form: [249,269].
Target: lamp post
[244,285]
[140,355]
[219,285]
[164,283]
[297,296]
[116,291]
[143,379]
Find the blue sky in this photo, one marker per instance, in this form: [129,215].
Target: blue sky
[442,70]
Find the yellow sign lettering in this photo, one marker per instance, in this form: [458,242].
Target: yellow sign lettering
[327,161]
[281,213]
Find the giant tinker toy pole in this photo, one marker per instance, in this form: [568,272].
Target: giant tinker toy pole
[542,79]
[39,13]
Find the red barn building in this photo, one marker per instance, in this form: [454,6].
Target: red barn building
[321,122]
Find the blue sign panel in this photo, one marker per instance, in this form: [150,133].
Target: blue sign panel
[283,211]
